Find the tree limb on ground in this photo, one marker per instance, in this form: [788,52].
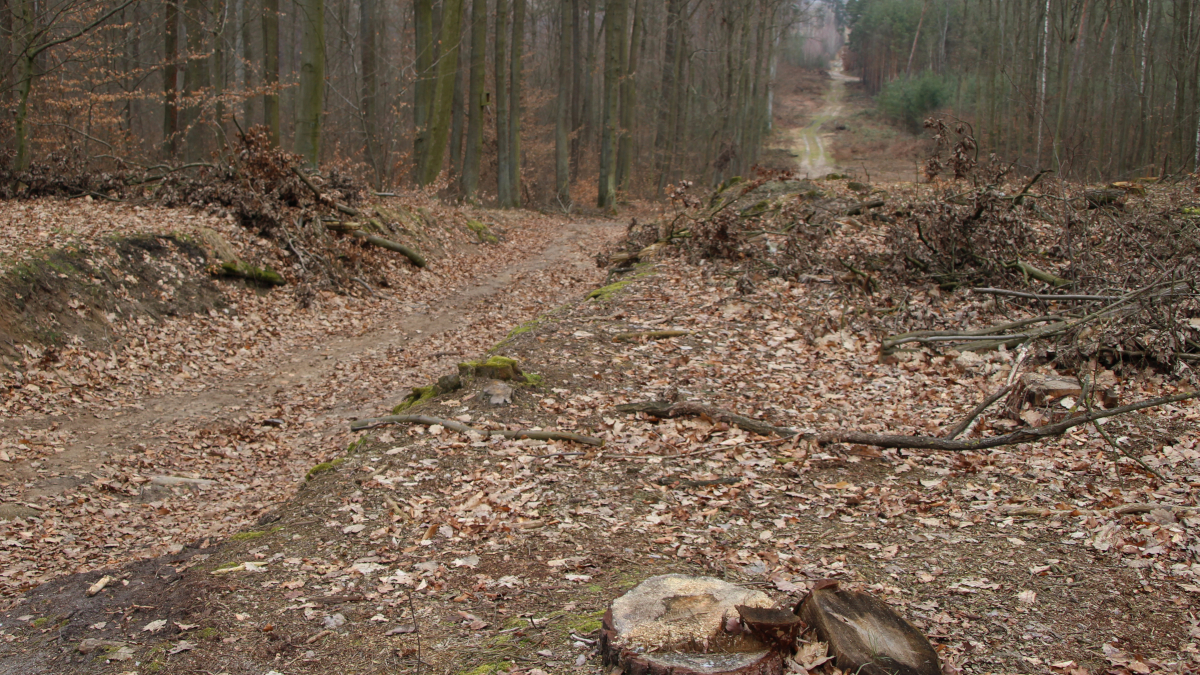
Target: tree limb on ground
[1019,436]
[1043,296]
[360,425]
[666,409]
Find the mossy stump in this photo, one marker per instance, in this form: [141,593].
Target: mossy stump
[495,368]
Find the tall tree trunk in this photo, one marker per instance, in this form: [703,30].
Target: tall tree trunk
[629,99]
[196,78]
[562,150]
[667,94]
[514,106]
[476,105]
[311,104]
[503,139]
[424,90]
[270,29]
[458,116]
[239,53]
[586,124]
[1041,101]
[443,97]
[614,39]
[171,77]
[368,35]
[24,31]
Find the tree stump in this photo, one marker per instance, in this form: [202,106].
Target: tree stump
[675,624]
[864,635]
[1034,390]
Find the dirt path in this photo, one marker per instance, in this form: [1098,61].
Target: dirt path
[810,143]
[256,432]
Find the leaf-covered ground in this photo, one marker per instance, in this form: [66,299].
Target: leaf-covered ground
[422,549]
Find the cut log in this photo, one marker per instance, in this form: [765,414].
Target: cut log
[675,625]
[865,636]
[1041,391]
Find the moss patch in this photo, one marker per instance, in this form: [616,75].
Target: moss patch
[495,368]
[488,668]
[247,536]
[418,396]
[482,231]
[322,468]
[606,292]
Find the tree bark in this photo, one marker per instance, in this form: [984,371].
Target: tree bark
[475,97]
[514,106]
[562,151]
[270,30]
[614,38]
[423,92]
[171,77]
[667,95]
[629,59]
[439,116]
[367,32]
[310,106]
[196,79]
[503,139]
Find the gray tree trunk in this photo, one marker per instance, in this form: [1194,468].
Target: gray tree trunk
[270,29]
[503,139]
[475,97]
[562,149]
[311,104]
[614,37]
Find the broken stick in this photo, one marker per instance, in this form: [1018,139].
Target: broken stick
[666,409]
[461,428]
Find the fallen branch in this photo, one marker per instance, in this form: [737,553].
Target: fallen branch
[649,335]
[666,409]
[416,258]
[864,206]
[1041,275]
[461,428]
[1044,296]
[1019,436]
[962,426]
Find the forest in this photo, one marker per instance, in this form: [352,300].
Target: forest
[599,337]
[515,101]
[1090,88]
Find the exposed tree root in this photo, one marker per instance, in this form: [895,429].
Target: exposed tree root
[461,428]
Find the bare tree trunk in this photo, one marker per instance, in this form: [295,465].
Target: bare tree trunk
[614,38]
[500,63]
[311,104]
[368,35]
[916,36]
[439,115]
[270,28]
[423,92]
[459,110]
[629,65]
[664,133]
[171,77]
[514,107]
[1041,102]
[475,97]
[196,79]
[562,150]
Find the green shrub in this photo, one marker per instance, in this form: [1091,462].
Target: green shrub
[909,101]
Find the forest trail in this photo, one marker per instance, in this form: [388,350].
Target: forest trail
[810,144]
[322,383]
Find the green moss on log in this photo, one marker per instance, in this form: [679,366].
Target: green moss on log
[495,368]
[322,468]
[242,270]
